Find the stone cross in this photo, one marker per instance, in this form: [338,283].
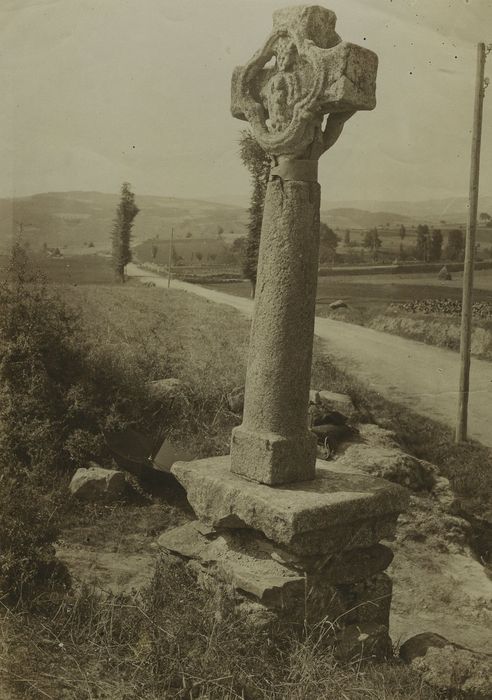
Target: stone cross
[314,74]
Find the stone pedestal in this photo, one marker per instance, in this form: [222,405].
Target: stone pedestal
[307,552]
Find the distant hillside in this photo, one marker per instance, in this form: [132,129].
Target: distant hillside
[450,209]
[74,219]
[348,218]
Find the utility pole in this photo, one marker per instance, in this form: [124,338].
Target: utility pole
[466,309]
[170,259]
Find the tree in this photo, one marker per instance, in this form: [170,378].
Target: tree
[258,164]
[485,217]
[328,242]
[189,234]
[155,250]
[422,245]
[403,233]
[372,241]
[456,245]
[122,230]
[435,248]
[239,245]
[220,231]
[346,238]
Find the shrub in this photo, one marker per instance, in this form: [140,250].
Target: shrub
[60,389]
[29,525]
[59,392]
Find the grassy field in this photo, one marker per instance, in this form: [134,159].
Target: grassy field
[376,291]
[205,345]
[153,644]
[69,270]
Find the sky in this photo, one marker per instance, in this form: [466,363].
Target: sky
[96,92]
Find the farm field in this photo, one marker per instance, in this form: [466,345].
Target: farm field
[74,269]
[389,288]
[369,295]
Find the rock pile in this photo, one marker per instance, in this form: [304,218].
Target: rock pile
[304,551]
[481,309]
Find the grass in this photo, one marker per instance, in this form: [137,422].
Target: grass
[200,343]
[175,640]
[70,270]
[205,345]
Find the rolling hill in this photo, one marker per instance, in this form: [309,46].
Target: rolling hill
[74,219]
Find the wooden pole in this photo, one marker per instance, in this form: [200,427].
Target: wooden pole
[466,311]
[170,259]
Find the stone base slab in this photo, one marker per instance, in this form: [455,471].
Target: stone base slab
[340,510]
[272,459]
[245,560]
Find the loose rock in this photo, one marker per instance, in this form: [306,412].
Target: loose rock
[338,304]
[95,483]
[166,389]
[449,668]
[334,401]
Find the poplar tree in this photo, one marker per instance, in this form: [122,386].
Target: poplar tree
[122,231]
[258,164]
[422,245]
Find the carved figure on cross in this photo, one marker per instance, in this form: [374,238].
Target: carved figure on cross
[315,74]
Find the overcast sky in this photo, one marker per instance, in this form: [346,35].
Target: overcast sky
[101,91]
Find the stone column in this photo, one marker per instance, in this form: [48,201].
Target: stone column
[315,73]
[273,445]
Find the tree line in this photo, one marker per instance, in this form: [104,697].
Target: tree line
[428,246]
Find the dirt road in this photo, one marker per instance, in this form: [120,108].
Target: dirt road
[422,377]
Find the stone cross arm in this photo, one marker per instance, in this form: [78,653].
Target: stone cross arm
[314,73]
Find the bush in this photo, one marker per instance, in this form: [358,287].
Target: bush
[59,392]
[29,525]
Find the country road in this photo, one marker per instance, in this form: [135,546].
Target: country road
[420,376]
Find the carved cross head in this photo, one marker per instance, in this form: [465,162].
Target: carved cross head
[303,72]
